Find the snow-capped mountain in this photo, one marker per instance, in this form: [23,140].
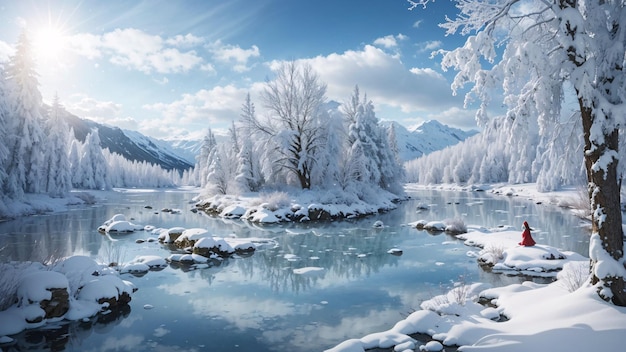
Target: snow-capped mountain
[132,145]
[426,138]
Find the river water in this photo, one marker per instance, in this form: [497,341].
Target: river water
[258,303]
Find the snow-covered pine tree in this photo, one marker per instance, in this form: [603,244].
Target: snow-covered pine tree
[204,158]
[248,176]
[92,173]
[25,128]
[74,158]
[57,180]
[364,133]
[4,129]
[391,169]
[218,177]
[326,175]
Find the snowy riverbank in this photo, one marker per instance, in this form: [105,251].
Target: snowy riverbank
[566,315]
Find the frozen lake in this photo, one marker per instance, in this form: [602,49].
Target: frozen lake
[258,303]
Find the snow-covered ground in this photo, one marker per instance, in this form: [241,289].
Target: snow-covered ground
[566,315]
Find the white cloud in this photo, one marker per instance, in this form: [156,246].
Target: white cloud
[417,23]
[104,112]
[208,67]
[234,54]
[85,106]
[385,79]
[163,81]
[205,108]
[390,41]
[429,46]
[185,40]
[137,50]
[85,44]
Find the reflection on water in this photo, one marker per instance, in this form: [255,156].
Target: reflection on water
[258,303]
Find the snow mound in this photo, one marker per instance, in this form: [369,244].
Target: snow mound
[143,264]
[119,224]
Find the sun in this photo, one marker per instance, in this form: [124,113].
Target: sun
[49,45]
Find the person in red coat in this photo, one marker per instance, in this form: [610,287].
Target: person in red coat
[527,238]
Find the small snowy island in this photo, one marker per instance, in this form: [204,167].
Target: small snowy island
[297,206]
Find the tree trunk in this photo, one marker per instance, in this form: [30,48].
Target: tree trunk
[604,196]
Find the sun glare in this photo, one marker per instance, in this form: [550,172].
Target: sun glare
[49,45]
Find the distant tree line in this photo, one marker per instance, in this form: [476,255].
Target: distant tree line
[509,150]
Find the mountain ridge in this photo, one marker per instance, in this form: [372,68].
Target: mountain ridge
[426,138]
[131,145]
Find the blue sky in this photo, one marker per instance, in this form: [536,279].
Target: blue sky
[174,68]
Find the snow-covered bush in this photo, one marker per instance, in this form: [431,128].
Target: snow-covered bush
[491,254]
[574,275]
[112,254]
[275,200]
[9,279]
[455,226]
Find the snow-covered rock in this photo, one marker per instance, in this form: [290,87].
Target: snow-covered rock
[74,288]
[435,226]
[119,224]
[208,246]
[170,235]
[143,264]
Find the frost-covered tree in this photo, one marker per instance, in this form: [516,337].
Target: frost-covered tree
[4,126]
[295,125]
[364,132]
[57,180]
[74,159]
[329,159]
[351,107]
[546,45]
[25,139]
[92,173]
[392,172]
[371,157]
[248,175]
[204,158]
[218,172]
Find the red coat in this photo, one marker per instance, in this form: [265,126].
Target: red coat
[527,238]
